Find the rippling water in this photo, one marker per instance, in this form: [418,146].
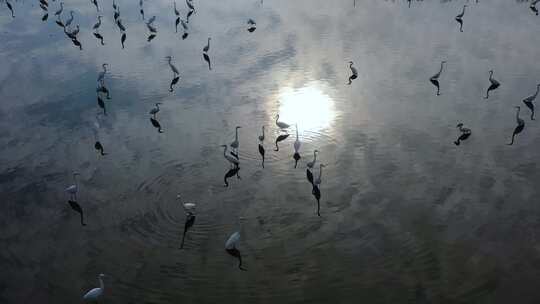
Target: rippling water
[406,215]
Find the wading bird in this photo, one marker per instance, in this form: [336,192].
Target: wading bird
[435,78]
[519,127]
[96,293]
[207,47]
[173,68]
[529,101]
[232,160]
[281,124]
[230,247]
[494,84]
[312,163]
[353,71]
[465,133]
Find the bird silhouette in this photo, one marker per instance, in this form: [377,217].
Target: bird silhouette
[232,160]
[174,81]
[520,125]
[281,124]
[317,194]
[123,39]
[173,68]
[207,47]
[236,143]
[190,220]
[261,152]
[176,24]
[353,71]
[98,146]
[309,176]
[96,293]
[98,36]
[207,59]
[494,84]
[529,101]
[459,19]
[281,137]
[296,158]
[77,208]
[465,133]
[435,78]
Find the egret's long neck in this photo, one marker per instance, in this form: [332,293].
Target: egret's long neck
[225,151]
[75,179]
[263,131]
[296,132]
[320,171]
[440,71]
[314,156]
[101,285]
[537,90]
[490,75]
[517,113]
[236,135]
[463,12]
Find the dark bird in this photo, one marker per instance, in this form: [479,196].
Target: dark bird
[261,152]
[459,19]
[176,24]
[123,39]
[533,7]
[44,3]
[189,15]
[97,24]
[309,176]
[251,22]
[44,7]
[151,37]
[353,71]
[282,137]
[190,5]
[494,84]
[317,194]
[519,127]
[465,133]
[232,172]
[77,43]
[185,35]
[529,101]
[156,124]
[120,25]
[190,220]
[45,17]
[101,104]
[77,208]
[173,82]
[296,158]
[207,59]
[60,23]
[141,11]
[435,78]
[116,14]
[114,5]
[98,146]
[98,36]
[207,46]
[251,29]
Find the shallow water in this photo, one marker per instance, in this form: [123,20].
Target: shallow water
[406,215]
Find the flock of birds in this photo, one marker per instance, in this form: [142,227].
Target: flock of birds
[232,155]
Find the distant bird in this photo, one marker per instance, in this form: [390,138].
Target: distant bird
[533,7]
[190,5]
[98,146]
[261,152]
[74,188]
[101,75]
[207,47]
[77,43]
[281,137]
[98,36]
[281,124]
[297,142]
[435,78]
[465,133]
[232,160]
[77,208]
[235,144]
[58,12]
[185,35]
[494,84]
[96,293]
[173,68]
[261,137]
[519,127]
[460,16]
[251,22]
[190,220]
[353,71]
[207,59]
[312,163]
[232,172]
[176,12]
[98,24]
[151,28]
[156,124]
[70,19]
[230,247]
[123,39]
[529,101]
[155,110]
[120,25]
[317,181]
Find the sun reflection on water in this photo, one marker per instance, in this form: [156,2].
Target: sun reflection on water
[310,107]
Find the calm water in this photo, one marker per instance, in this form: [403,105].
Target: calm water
[406,215]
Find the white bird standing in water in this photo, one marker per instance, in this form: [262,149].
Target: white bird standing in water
[297,141]
[229,158]
[312,163]
[173,68]
[207,47]
[101,75]
[74,188]
[317,181]
[281,124]
[95,293]
[235,144]
[261,137]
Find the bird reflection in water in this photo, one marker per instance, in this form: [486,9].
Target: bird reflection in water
[190,220]
[494,84]
[207,59]
[297,145]
[529,101]
[232,172]
[317,194]
[281,137]
[261,152]
[354,72]
[459,18]
[230,247]
[156,124]
[123,39]
[98,36]
[465,133]
[174,81]
[101,104]
[77,208]
[10,7]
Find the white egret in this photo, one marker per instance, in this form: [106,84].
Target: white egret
[235,144]
[281,124]
[318,180]
[96,293]
[232,160]
[207,47]
[261,137]
[297,141]
[312,163]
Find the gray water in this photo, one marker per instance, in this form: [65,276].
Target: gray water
[406,215]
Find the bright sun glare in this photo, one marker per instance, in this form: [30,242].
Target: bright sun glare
[308,106]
